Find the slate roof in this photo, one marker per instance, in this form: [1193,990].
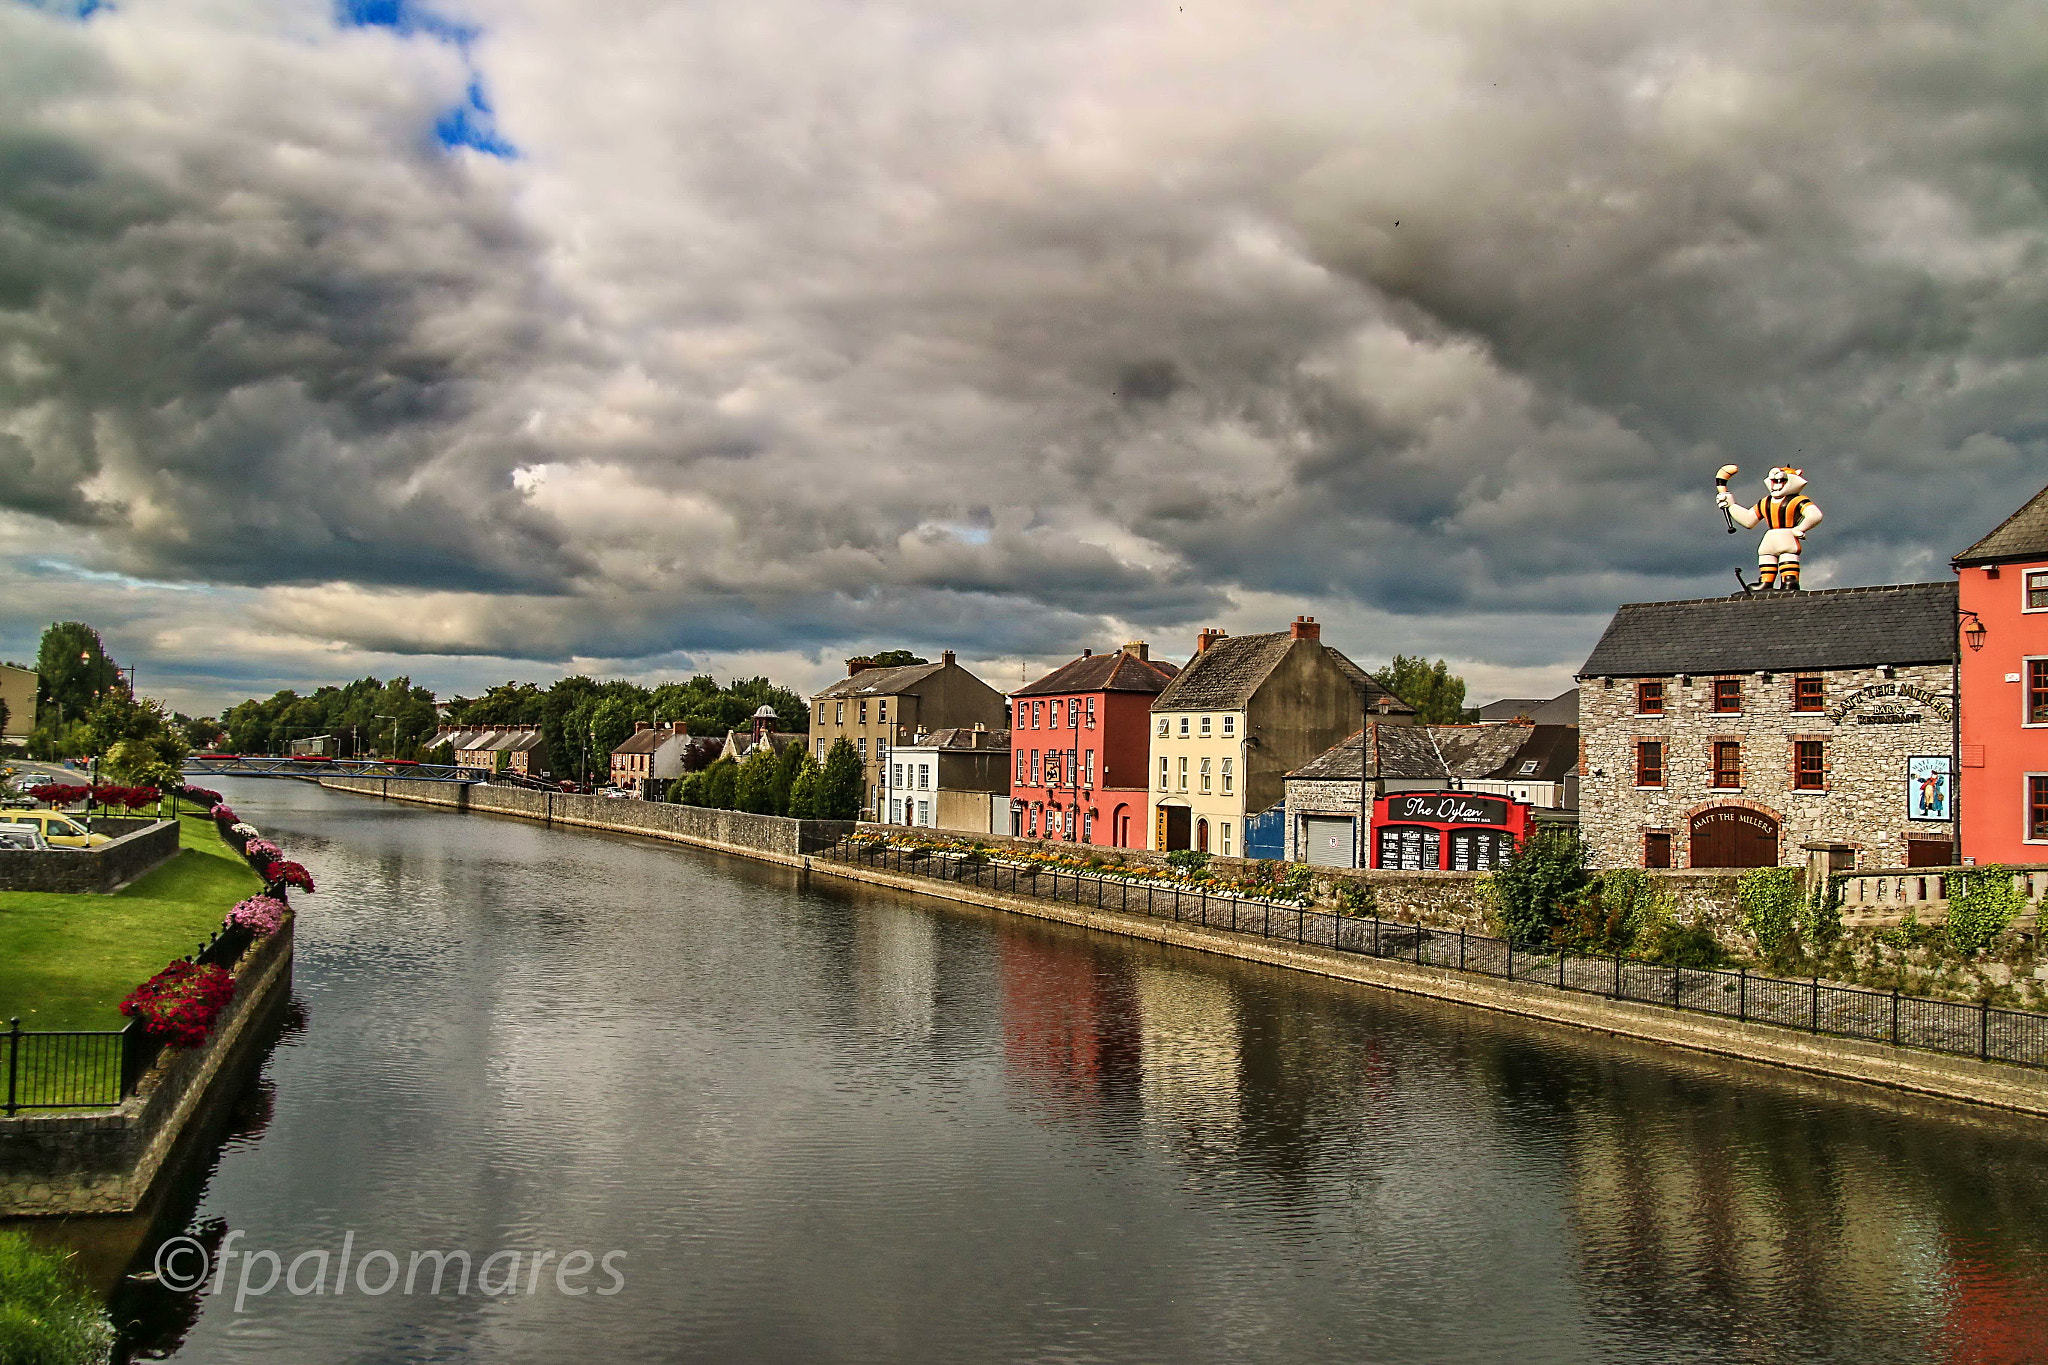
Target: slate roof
[961,737]
[648,740]
[1434,752]
[1117,671]
[1224,676]
[1554,749]
[881,682]
[1562,709]
[2023,535]
[1910,623]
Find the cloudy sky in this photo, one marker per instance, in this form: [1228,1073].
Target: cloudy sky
[495,338]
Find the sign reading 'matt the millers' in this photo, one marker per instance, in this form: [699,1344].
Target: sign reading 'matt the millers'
[1446,831]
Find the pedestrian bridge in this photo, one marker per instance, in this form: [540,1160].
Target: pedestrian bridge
[243,765]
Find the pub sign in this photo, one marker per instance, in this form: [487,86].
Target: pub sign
[1446,831]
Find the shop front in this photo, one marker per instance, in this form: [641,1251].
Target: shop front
[1446,831]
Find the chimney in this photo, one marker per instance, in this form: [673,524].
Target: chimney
[1087,653]
[1209,637]
[1305,628]
[640,725]
[946,658]
[1137,649]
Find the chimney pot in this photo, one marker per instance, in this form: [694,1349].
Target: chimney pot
[1305,628]
[640,725]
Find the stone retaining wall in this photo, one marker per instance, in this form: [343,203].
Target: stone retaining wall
[143,845]
[772,837]
[106,1161]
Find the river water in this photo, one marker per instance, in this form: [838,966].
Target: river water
[789,1120]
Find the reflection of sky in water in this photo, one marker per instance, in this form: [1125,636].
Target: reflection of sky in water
[833,1124]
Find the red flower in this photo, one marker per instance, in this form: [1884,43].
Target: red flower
[180,1003]
[291,874]
[59,793]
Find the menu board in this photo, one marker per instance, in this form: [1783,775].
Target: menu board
[1479,850]
[1407,848]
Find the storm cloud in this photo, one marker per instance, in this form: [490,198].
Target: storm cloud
[527,331]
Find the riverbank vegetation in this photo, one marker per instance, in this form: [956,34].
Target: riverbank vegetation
[46,1316]
[67,961]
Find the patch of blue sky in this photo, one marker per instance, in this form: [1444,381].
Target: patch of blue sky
[68,9]
[470,124]
[58,568]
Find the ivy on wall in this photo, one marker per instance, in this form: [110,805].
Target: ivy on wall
[1987,905]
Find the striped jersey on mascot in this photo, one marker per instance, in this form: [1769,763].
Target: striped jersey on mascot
[1787,515]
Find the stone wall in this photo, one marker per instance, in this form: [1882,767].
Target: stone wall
[1871,725]
[70,870]
[106,1161]
[773,837]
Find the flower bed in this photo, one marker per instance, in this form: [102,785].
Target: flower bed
[179,1004]
[1292,887]
[260,915]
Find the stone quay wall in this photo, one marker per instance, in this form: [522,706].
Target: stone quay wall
[139,846]
[107,1160]
[772,837]
[1870,725]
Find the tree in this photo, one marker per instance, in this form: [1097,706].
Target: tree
[754,788]
[1436,693]
[1546,872]
[803,790]
[840,786]
[72,670]
[788,764]
[895,658]
[718,787]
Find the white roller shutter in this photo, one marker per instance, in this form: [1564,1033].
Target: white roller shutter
[1328,841]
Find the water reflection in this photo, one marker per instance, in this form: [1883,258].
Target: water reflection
[834,1124]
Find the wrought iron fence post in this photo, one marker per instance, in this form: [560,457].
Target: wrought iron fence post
[1742,999]
[1616,994]
[1461,947]
[1674,989]
[1984,1029]
[1895,1016]
[1816,1005]
[1375,935]
[1511,957]
[13,1064]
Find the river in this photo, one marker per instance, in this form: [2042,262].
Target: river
[792,1120]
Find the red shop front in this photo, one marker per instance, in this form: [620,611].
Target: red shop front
[1446,831]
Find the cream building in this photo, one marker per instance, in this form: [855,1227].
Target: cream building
[1244,713]
[18,690]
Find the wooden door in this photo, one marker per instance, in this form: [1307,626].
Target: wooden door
[1734,836]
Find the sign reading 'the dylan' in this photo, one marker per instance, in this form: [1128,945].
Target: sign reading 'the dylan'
[1448,808]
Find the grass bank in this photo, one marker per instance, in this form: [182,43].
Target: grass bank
[67,961]
[46,1316]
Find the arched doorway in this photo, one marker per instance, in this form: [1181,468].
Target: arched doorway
[1120,827]
[1201,836]
[1734,836]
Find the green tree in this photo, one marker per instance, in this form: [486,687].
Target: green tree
[754,788]
[132,734]
[803,789]
[840,786]
[1545,873]
[895,658]
[1436,693]
[73,670]
[788,764]
[718,784]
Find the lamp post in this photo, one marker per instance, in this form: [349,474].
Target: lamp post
[1974,633]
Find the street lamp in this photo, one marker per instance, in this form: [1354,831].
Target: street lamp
[1974,633]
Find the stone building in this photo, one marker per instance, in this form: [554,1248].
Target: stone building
[877,708]
[1729,731]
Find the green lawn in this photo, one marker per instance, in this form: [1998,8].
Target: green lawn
[68,961]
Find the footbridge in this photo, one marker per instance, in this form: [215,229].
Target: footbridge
[311,768]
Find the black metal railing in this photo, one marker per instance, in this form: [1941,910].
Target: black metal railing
[1973,1030]
[70,1068]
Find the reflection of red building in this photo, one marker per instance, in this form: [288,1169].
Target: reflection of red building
[1993,1318]
[1079,740]
[2002,593]
[1070,1020]
[1449,831]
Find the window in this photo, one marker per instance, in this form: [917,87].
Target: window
[1809,765]
[1529,767]
[863,713]
[1021,761]
[1183,727]
[1162,727]
[1088,827]
[1727,763]
[2037,590]
[821,749]
[1034,767]
[1073,713]
[881,751]
[924,776]
[1091,722]
[1033,827]
[861,747]
[1657,850]
[1650,697]
[1037,713]
[1205,774]
[1183,774]
[1728,695]
[896,775]
[1223,831]
[1067,823]
[1162,771]
[924,813]
[1230,725]
[1088,768]
[821,713]
[1809,694]
[1205,727]
[1649,763]
[1226,776]
[2037,808]
[839,713]
[2037,691]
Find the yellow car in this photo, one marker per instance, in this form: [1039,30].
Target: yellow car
[60,829]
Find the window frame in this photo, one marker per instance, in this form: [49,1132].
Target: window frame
[1205,774]
[1714,696]
[1184,722]
[1229,725]
[2030,666]
[1715,770]
[1229,779]
[1183,772]
[1799,688]
[1165,769]
[2035,786]
[1646,690]
[1818,749]
[1643,770]
[1208,726]
[2027,577]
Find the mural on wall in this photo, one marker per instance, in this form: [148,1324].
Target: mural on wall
[1928,790]
[1787,516]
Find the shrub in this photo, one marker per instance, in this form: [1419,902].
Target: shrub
[1188,860]
[1987,904]
[262,851]
[223,814]
[718,785]
[840,784]
[1357,899]
[1772,899]
[1546,872]
[803,789]
[259,914]
[180,1003]
[46,1316]
[202,795]
[1672,944]
[59,793]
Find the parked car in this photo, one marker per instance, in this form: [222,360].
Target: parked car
[23,837]
[60,829]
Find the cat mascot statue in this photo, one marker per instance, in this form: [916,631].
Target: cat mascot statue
[1786,514]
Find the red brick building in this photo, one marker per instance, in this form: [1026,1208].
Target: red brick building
[1079,742]
[2002,600]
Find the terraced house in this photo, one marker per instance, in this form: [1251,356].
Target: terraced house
[1079,748]
[1244,713]
[876,709]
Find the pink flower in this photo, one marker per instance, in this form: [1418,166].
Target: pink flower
[259,914]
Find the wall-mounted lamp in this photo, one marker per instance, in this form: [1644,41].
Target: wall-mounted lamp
[1974,632]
